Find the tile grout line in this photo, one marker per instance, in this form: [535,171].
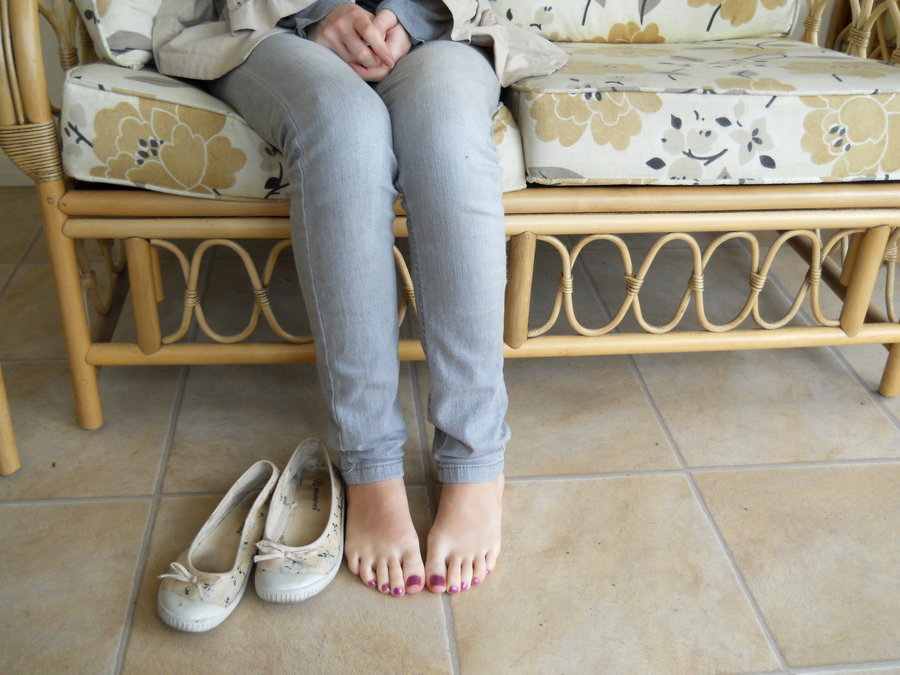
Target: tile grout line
[873,395]
[157,492]
[151,519]
[432,504]
[869,666]
[673,445]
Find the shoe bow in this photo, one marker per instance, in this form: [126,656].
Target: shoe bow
[269,550]
[203,583]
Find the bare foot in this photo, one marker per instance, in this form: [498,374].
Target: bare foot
[464,541]
[381,544]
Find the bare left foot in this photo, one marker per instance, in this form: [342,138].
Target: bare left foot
[464,541]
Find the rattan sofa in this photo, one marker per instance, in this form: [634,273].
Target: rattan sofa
[843,223]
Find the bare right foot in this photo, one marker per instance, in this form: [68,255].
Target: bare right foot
[381,543]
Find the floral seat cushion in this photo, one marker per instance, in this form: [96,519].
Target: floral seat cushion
[726,112]
[143,129]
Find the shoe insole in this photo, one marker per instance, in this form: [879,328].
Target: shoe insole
[218,551]
[308,519]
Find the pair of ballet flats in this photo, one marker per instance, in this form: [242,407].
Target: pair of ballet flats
[290,526]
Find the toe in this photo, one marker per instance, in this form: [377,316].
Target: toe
[382,576]
[366,572]
[465,575]
[436,574]
[454,580]
[479,570]
[395,574]
[414,571]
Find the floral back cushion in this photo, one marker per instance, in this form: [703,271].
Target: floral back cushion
[650,20]
[120,29]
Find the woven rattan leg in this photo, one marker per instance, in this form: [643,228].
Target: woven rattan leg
[865,272]
[9,456]
[518,288]
[72,307]
[144,293]
[890,378]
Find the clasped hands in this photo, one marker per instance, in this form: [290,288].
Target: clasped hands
[369,43]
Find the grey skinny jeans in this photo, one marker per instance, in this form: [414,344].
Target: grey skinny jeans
[424,131]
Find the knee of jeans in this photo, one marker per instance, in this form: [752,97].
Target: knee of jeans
[337,123]
[462,81]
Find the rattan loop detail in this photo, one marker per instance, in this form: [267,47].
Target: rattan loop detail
[191,297]
[890,254]
[696,283]
[633,284]
[813,23]
[859,38]
[33,148]
[68,57]
[261,296]
[410,294]
[757,281]
[814,276]
[88,280]
[565,284]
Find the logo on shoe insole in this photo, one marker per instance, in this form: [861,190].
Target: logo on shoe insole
[317,483]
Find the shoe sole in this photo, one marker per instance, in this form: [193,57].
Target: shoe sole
[176,622]
[299,594]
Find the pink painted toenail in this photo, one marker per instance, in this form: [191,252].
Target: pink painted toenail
[372,584]
[475,581]
[437,580]
[414,580]
[487,572]
[398,591]
[464,586]
[386,587]
[453,589]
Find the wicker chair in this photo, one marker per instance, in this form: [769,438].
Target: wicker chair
[845,232]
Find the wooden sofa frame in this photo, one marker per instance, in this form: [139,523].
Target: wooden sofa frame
[845,232]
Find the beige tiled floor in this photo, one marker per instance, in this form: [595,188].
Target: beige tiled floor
[732,512]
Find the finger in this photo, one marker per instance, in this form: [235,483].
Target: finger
[372,36]
[370,74]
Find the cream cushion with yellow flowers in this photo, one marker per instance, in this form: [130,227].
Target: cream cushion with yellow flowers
[650,20]
[144,129]
[726,112]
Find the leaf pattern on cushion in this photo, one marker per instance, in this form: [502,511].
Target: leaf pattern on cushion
[737,12]
[613,117]
[860,135]
[165,145]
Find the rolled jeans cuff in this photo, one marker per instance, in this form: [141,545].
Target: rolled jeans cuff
[465,472]
[357,473]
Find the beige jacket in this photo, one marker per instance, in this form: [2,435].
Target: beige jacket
[189,40]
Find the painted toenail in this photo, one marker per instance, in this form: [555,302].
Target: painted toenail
[414,580]
[464,586]
[386,587]
[398,591]
[372,584]
[475,581]
[453,589]
[487,572]
[437,580]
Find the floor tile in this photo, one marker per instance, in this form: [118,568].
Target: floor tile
[819,550]
[59,459]
[5,272]
[30,316]
[774,406]
[234,415]
[19,223]
[66,578]
[580,415]
[347,628]
[616,575]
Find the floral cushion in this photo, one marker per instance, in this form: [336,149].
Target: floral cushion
[143,129]
[650,20]
[120,29]
[729,112]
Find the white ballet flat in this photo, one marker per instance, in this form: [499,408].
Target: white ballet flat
[301,549]
[206,582]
